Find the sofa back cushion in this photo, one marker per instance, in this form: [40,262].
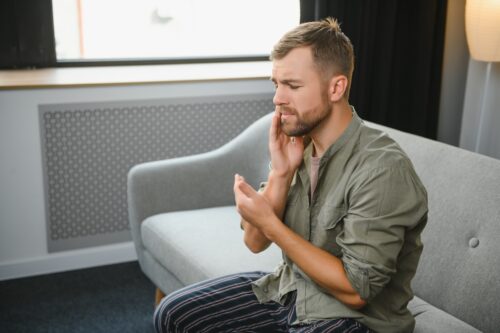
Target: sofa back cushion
[460,266]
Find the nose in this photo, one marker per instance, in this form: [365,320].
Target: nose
[279,97]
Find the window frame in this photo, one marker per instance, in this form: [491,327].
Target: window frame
[155,61]
[22,43]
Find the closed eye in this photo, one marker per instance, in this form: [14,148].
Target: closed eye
[292,84]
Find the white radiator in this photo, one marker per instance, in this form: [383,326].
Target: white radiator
[89,148]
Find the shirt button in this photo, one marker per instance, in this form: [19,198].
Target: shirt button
[297,275]
[473,242]
[265,290]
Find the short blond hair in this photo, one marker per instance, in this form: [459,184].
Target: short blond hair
[332,50]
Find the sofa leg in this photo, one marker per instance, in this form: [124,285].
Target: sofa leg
[158,296]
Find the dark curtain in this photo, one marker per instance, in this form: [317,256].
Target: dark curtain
[398,47]
[26,34]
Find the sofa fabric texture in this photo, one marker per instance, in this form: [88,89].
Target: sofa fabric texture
[185,227]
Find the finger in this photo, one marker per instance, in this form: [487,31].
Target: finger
[274,130]
[243,202]
[239,183]
[238,195]
[237,180]
[245,188]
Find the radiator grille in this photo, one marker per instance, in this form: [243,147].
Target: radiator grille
[89,148]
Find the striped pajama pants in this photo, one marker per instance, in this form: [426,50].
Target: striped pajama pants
[228,304]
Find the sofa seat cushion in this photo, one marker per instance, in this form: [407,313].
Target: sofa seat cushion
[205,243]
[430,319]
[199,244]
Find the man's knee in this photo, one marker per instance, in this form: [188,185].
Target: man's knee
[182,310]
[166,314]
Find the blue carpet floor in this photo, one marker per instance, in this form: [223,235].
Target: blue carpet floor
[114,298]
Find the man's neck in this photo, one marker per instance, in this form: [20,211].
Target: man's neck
[332,128]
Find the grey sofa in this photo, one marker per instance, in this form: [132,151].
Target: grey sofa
[185,227]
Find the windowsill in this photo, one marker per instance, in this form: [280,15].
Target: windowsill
[127,75]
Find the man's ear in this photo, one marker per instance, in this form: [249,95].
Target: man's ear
[337,88]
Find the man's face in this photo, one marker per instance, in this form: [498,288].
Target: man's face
[301,95]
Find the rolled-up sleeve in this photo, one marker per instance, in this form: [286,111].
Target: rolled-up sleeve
[383,204]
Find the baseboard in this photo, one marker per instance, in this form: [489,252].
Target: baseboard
[68,260]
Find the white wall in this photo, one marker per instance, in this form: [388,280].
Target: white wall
[481,115]
[23,248]
[469,115]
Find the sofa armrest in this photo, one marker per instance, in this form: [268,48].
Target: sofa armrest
[197,181]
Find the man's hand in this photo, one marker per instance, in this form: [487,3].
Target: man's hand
[252,206]
[286,152]
[286,157]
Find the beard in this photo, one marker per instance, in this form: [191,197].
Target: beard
[304,125]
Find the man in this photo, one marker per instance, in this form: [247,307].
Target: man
[346,209]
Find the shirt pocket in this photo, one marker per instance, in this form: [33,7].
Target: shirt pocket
[330,216]
[295,214]
[329,226]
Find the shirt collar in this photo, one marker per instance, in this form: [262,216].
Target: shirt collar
[344,138]
[353,127]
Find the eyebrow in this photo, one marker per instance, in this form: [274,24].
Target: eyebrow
[286,81]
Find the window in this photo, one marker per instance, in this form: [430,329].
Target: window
[97,30]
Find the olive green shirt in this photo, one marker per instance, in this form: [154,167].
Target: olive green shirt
[368,209]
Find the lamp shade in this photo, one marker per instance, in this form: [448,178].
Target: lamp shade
[482,26]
